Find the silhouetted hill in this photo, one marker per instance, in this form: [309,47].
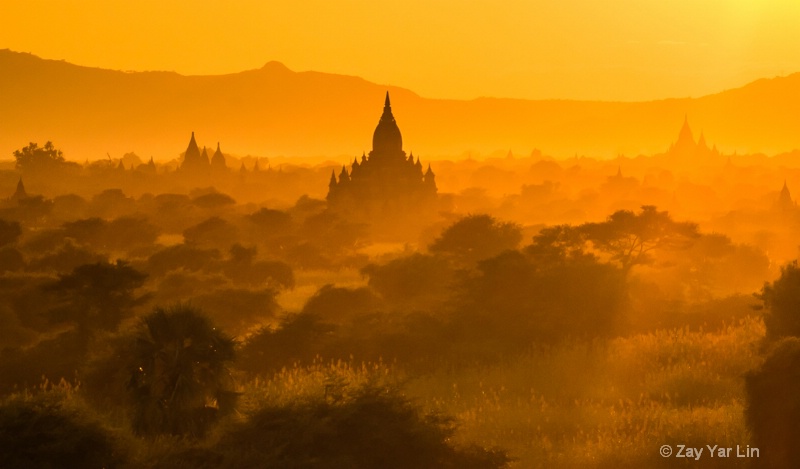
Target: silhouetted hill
[274,111]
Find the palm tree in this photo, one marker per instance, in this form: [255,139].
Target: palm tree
[179,378]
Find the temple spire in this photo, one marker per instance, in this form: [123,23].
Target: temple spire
[20,193]
[218,160]
[387,141]
[785,198]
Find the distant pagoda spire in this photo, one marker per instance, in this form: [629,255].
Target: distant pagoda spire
[429,181]
[192,150]
[218,160]
[685,145]
[343,176]
[686,134]
[785,197]
[20,192]
[701,143]
[192,159]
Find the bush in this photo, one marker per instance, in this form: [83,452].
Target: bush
[476,237]
[9,232]
[511,301]
[45,431]
[416,279]
[373,427]
[300,337]
[773,406]
[335,304]
[782,300]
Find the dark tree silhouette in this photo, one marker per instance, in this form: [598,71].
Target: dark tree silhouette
[96,296]
[34,209]
[242,268]
[626,238]
[630,238]
[773,406]
[332,303]
[476,237]
[557,245]
[332,232]
[9,232]
[373,427]
[300,337]
[11,260]
[273,221]
[33,157]
[182,256]
[213,200]
[241,255]
[511,300]
[237,309]
[214,232]
[416,279]
[781,298]
[66,258]
[179,378]
[45,432]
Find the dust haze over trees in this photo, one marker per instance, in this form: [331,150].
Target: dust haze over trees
[529,311]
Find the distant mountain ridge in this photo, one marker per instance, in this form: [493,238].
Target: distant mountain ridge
[271,111]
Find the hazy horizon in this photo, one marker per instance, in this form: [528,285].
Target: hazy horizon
[281,63]
[633,50]
[274,112]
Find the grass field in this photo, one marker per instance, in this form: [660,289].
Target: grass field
[599,404]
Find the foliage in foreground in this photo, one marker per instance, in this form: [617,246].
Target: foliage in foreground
[48,431]
[605,404]
[372,427]
[773,407]
[179,377]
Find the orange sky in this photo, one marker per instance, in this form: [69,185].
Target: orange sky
[579,49]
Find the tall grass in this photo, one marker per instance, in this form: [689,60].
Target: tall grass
[321,380]
[605,404]
[599,404]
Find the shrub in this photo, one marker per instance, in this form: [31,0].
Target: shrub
[773,405]
[45,431]
[369,428]
[782,300]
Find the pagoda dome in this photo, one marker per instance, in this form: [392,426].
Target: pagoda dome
[387,138]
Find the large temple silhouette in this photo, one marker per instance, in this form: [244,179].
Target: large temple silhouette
[686,149]
[386,180]
[198,163]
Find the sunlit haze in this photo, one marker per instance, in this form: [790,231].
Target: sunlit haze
[574,49]
[395,234]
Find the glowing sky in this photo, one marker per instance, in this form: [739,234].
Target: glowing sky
[578,49]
